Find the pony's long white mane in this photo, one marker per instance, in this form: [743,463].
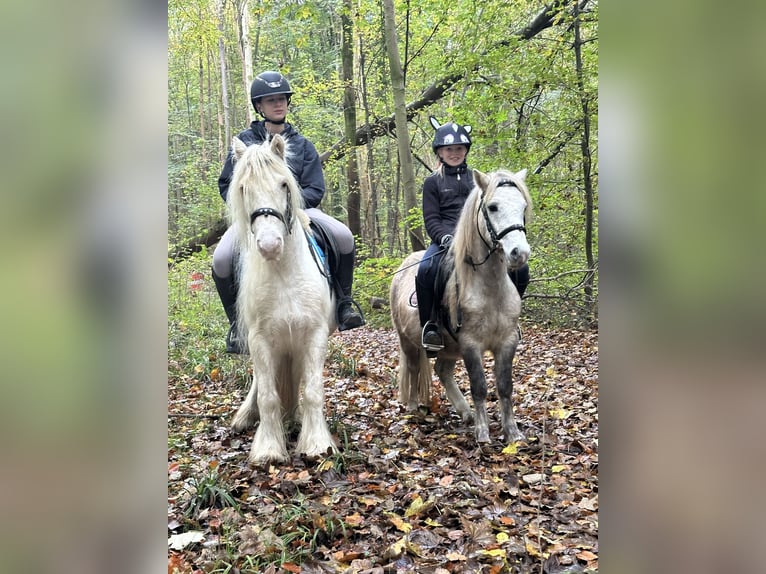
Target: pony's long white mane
[260,174]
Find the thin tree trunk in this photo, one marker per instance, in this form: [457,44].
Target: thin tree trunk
[201,107]
[586,157]
[369,199]
[349,116]
[243,19]
[224,75]
[400,120]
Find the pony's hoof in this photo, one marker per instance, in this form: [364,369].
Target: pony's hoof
[317,452]
[243,421]
[264,457]
[515,436]
[482,437]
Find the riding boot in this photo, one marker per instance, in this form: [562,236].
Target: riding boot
[348,313]
[431,339]
[520,279]
[227,288]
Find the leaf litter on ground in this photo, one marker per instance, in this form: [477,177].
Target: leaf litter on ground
[407,492]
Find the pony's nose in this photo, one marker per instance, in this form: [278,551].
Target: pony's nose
[519,255]
[270,247]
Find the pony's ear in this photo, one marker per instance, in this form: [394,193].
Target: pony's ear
[522,175]
[434,122]
[480,179]
[278,145]
[238,148]
[467,129]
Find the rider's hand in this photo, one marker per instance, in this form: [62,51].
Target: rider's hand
[446,240]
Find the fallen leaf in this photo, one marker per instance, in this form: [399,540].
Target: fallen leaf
[533,478]
[397,521]
[181,541]
[456,557]
[396,549]
[560,413]
[494,552]
[586,555]
[588,503]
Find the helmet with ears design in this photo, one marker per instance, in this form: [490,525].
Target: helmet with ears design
[450,134]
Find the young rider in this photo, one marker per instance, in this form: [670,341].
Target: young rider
[444,193]
[270,95]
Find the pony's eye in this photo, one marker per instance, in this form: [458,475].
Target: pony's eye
[492,207]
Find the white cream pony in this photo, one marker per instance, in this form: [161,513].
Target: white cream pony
[285,304]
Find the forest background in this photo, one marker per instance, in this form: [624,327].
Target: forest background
[366,78]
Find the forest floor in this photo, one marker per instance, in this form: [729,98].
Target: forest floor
[405,492]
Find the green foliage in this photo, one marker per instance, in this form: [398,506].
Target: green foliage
[372,280]
[207,491]
[521,96]
[197,324]
[345,363]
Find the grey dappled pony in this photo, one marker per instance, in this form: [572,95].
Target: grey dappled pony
[481,303]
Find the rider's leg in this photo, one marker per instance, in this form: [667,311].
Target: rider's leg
[227,285]
[427,304]
[520,279]
[348,314]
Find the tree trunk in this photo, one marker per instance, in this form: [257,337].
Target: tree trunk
[400,120]
[243,19]
[349,116]
[224,75]
[586,158]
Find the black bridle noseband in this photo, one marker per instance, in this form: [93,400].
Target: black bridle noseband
[286,218]
[493,234]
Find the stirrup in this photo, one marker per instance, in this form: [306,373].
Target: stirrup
[352,322]
[432,346]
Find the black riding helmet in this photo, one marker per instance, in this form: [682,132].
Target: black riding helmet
[450,134]
[269,84]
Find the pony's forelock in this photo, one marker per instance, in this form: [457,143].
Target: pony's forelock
[258,164]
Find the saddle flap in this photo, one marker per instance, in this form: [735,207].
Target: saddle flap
[326,243]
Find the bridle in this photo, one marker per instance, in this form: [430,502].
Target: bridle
[493,233]
[286,217]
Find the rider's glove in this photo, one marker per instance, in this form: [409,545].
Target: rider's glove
[446,240]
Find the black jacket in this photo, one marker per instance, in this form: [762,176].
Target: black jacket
[444,195]
[303,161]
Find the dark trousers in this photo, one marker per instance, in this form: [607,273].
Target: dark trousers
[424,282]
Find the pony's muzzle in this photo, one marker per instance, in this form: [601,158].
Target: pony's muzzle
[270,247]
[518,256]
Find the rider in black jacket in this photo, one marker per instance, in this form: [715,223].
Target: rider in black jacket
[270,94]
[445,192]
